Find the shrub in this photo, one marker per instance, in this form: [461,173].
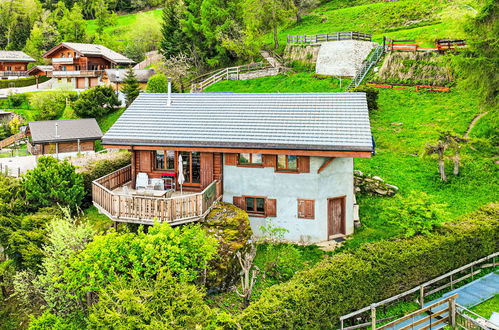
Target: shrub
[416,214]
[50,105]
[157,84]
[230,226]
[316,298]
[96,102]
[52,182]
[21,82]
[371,95]
[17,100]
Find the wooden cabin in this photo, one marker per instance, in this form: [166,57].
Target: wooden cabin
[82,65]
[14,64]
[286,159]
[63,137]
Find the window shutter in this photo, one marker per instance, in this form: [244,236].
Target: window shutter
[269,160]
[304,164]
[306,208]
[230,159]
[239,202]
[271,207]
[310,209]
[301,208]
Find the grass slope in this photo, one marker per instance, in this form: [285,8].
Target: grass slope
[125,23]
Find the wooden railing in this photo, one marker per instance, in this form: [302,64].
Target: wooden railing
[146,210]
[75,73]
[470,320]
[228,73]
[11,139]
[13,73]
[325,37]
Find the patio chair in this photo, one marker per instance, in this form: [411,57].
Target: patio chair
[157,184]
[142,181]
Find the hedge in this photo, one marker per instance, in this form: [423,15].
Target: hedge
[22,82]
[351,280]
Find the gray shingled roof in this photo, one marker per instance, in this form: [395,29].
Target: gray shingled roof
[18,56]
[118,75]
[307,121]
[67,130]
[42,68]
[94,50]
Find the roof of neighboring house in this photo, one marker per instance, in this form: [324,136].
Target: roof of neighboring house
[298,121]
[118,75]
[92,50]
[67,130]
[41,68]
[15,56]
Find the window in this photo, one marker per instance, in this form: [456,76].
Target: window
[250,159]
[165,160]
[287,163]
[191,163]
[255,205]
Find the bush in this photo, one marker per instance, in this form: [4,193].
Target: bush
[96,102]
[50,105]
[157,84]
[21,82]
[52,182]
[230,226]
[316,298]
[17,100]
[100,168]
[371,95]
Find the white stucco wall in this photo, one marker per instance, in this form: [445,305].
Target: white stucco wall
[335,181]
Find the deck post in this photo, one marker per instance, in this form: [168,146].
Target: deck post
[421,296]
[452,311]
[373,317]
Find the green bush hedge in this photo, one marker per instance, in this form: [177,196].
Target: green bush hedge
[348,281]
[22,82]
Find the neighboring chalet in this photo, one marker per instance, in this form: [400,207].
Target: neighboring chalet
[115,77]
[63,137]
[82,65]
[40,70]
[14,64]
[287,159]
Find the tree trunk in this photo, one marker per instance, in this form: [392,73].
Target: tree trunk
[456,164]
[298,16]
[276,40]
[441,166]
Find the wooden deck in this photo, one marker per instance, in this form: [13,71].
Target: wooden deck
[178,209]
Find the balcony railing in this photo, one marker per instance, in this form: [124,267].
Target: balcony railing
[78,73]
[61,60]
[13,73]
[145,209]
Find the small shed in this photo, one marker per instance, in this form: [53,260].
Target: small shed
[63,136]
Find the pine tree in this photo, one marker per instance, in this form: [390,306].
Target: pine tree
[171,30]
[130,87]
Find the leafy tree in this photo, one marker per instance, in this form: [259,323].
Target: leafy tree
[50,105]
[480,62]
[53,182]
[16,20]
[143,38]
[302,6]
[103,17]
[260,15]
[138,302]
[44,36]
[130,87]
[157,84]
[416,214]
[446,141]
[72,25]
[96,102]
[177,68]
[171,31]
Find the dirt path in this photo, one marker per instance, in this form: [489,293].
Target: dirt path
[473,123]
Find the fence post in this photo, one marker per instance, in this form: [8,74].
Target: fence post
[373,317]
[421,296]
[452,312]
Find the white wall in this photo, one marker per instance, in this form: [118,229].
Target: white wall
[336,180]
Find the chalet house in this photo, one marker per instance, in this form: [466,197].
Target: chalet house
[115,77]
[40,70]
[287,159]
[63,137]
[82,65]
[14,64]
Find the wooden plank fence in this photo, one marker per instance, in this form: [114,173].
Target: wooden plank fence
[11,139]
[441,45]
[325,37]
[417,88]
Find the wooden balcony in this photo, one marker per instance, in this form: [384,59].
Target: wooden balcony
[178,209]
[13,74]
[75,73]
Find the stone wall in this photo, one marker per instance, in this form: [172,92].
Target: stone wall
[372,185]
[302,53]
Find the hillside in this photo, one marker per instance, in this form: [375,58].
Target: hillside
[126,23]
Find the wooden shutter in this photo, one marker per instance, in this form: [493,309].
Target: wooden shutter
[230,159]
[304,164]
[306,208]
[217,166]
[239,202]
[271,207]
[145,161]
[206,169]
[269,160]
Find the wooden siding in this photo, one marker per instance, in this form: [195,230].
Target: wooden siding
[146,210]
[51,148]
[14,66]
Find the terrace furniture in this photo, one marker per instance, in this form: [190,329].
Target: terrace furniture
[142,181]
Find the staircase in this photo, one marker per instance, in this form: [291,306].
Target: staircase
[372,59]
[11,139]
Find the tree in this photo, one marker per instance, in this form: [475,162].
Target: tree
[302,6]
[416,214]
[171,30]
[249,273]
[446,141]
[157,84]
[72,25]
[53,182]
[177,67]
[103,17]
[44,36]
[260,15]
[96,102]
[130,87]
[50,105]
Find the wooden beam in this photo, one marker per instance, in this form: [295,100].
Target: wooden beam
[318,153]
[326,164]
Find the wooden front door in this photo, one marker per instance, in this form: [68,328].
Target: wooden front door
[336,216]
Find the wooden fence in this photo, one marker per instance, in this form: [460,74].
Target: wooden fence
[448,280]
[417,88]
[441,45]
[325,37]
[145,209]
[11,139]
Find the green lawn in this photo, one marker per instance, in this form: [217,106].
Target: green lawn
[125,23]
[108,120]
[486,308]
[300,82]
